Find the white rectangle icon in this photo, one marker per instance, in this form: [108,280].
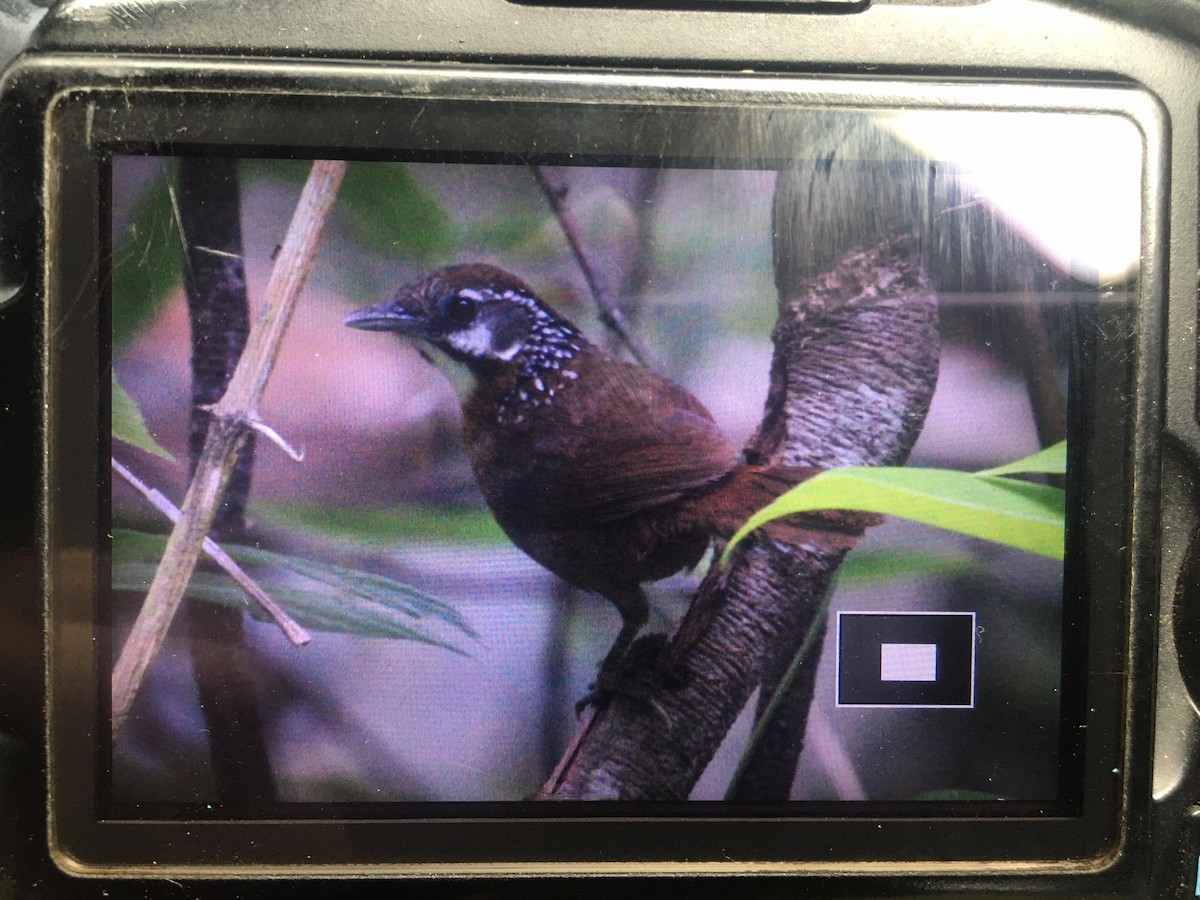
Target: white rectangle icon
[908,662]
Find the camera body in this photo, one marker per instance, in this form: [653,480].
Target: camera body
[682,87]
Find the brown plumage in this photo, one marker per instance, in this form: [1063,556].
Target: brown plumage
[606,473]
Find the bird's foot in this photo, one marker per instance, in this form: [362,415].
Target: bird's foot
[636,675]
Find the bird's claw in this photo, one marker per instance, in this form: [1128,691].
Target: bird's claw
[635,676]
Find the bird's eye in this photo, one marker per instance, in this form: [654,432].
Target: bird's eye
[460,310]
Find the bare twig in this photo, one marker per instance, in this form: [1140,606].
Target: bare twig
[278,440]
[294,631]
[230,426]
[555,189]
[646,185]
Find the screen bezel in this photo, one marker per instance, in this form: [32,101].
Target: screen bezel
[86,124]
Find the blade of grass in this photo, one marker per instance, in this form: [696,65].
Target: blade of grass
[1051,461]
[864,567]
[1027,516]
[782,691]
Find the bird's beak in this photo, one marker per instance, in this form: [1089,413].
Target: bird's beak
[390,316]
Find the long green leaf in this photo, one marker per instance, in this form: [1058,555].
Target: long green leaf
[319,596]
[1027,516]
[1051,461]
[129,426]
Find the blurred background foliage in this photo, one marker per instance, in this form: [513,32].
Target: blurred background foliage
[381,206]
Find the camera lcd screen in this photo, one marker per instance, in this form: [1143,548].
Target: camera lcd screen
[678,275]
[942,676]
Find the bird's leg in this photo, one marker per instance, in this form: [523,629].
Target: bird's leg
[634,608]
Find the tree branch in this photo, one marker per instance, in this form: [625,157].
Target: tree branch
[854,369]
[555,188]
[226,435]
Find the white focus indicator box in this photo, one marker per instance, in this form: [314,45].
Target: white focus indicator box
[908,662]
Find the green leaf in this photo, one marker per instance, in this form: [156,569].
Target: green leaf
[147,262]
[386,209]
[389,211]
[512,231]
[290,171]
[1023,515]
[319,596]
[1051,461]
[129,426]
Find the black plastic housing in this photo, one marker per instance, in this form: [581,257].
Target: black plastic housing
[288,78]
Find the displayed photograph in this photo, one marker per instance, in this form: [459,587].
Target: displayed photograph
[445,481]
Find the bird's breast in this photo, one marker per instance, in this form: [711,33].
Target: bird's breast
[521,439]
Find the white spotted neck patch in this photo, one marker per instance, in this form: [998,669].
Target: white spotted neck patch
[546,369]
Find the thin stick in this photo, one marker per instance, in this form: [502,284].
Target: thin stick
[582,733]
[555,189]
[294,631]
[226,434]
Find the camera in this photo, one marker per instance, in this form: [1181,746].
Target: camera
[784,465]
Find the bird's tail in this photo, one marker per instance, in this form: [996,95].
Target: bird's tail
[749,488]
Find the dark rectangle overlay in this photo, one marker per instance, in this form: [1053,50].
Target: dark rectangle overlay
[906,659]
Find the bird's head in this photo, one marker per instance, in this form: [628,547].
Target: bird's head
[475,313]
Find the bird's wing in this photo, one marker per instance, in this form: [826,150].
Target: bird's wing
[656,444]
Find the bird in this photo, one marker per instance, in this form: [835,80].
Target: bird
[606,473]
